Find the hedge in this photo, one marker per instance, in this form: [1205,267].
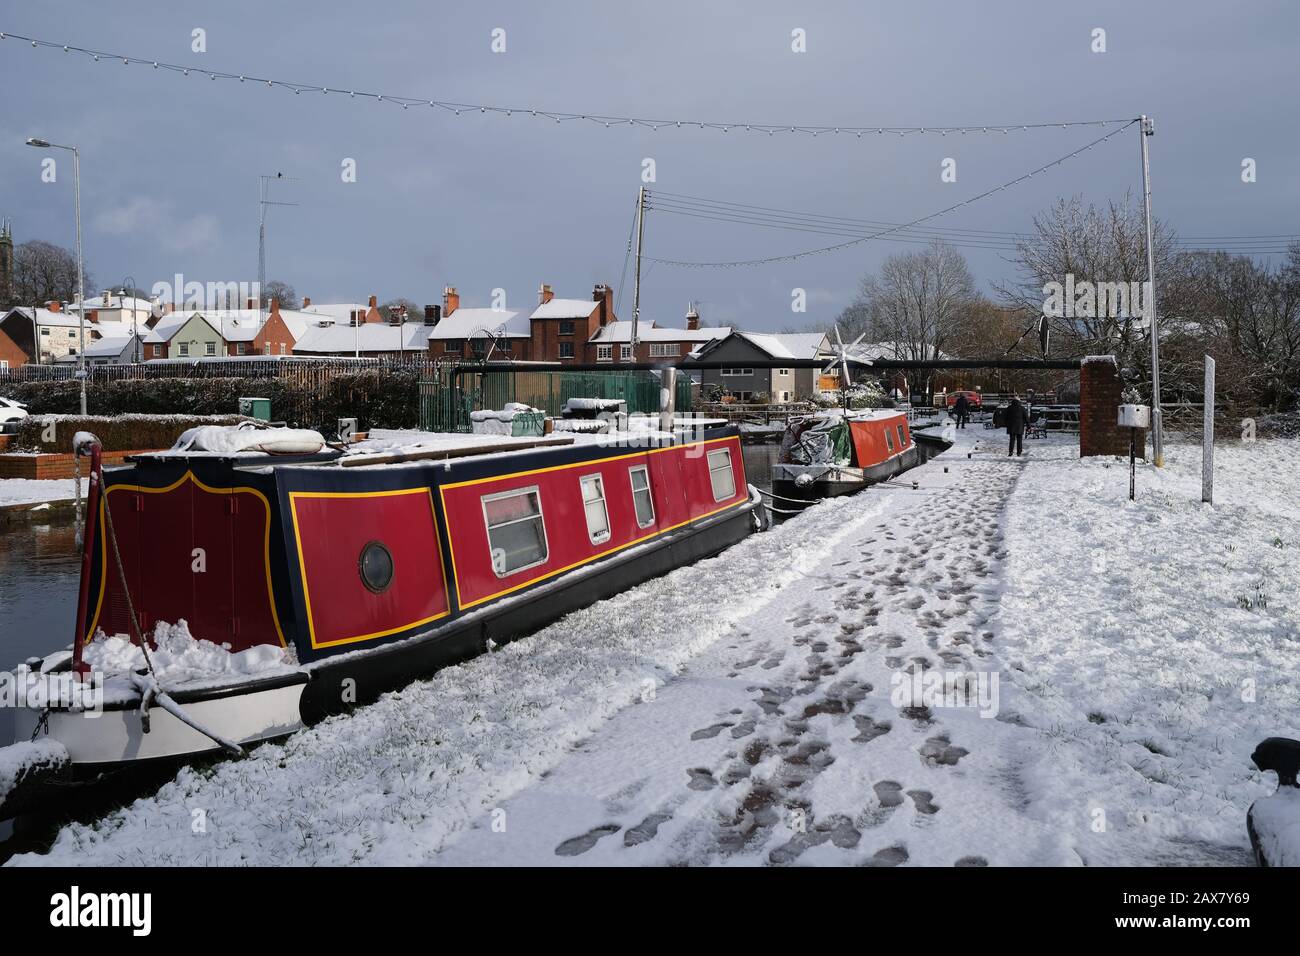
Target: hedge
[118,433]
[380,399]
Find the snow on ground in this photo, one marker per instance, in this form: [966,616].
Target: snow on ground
[775,705]
[22,491]
[1150,646]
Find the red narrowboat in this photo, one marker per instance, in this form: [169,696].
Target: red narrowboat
[840,453]
[370,576]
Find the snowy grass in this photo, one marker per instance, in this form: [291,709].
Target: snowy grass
[1153,644]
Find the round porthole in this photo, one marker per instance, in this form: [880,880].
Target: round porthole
[376,567]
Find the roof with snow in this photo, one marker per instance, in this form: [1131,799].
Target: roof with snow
[113,347]
[649,332]
[367,337]
[565,309]
[791,345]
[463,323]
[338,311]
[117,302]
[173,322]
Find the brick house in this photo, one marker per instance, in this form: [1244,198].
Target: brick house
[463,334]
[560,329]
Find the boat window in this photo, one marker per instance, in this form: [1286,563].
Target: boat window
[902,437]
[376,567]
[516,531]
[889,439]
[721,476]
[593,502]
[645,506]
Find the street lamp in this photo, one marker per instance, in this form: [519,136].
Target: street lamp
[81,272]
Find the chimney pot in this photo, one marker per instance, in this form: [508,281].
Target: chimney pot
[450,300]
[306,301]
[432,313]
[692,317]
[54,306]
[372,301]
[544,294]
[275,306]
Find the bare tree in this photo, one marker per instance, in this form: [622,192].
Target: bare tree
[915,306]
[44,272]
[282,292]
[1094,245]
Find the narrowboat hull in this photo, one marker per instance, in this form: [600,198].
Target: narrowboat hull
[285,551]
[803,485]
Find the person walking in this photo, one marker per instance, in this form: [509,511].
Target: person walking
[1015,416]
[962,408]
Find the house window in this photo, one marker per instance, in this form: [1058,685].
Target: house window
[478,347]
[209,348]
[593,502]
[641,500]
[626,352]
[566,350]
[516,531]
[45,331]
[505,345]
[902,440]
[889,439]
[157,351]
[566,328]
[243,348]
[452,345]
[604,353]
[737,371]
[783,371]
[665,349]
[185,349]
[71,334]
[784,396]
[720,475]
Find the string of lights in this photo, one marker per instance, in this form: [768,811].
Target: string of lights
[858,240]
[558,116]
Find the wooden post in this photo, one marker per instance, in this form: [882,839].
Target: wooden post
[1207,437]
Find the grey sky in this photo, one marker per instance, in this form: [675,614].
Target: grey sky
[170,163]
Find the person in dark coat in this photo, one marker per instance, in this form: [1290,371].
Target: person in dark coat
[1015,416]
[962,408]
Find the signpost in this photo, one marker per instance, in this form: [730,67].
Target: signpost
[1207,437]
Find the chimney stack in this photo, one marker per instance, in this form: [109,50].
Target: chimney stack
[544,294]
[106,297]
[692,317]
[432,313]
[54,306]
[450,301]
[275,307]
[605,296]
[92,315]
[372,302]
[306,301]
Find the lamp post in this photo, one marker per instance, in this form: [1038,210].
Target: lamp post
[81,272]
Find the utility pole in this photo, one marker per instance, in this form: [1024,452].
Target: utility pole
[636,286]
[263,200]
[1147,128]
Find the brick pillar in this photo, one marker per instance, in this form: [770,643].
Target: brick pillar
[1100,394]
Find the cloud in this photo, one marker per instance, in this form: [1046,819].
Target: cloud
[143,214]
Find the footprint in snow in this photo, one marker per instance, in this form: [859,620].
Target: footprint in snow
[578,845]
[939,751]
[711,731]
[889,856]
[646,829]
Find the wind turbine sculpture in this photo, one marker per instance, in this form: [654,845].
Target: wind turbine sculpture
[842,360]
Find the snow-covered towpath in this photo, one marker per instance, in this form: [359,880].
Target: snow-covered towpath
[1121,662]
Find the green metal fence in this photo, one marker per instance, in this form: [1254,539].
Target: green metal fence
[446,403]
